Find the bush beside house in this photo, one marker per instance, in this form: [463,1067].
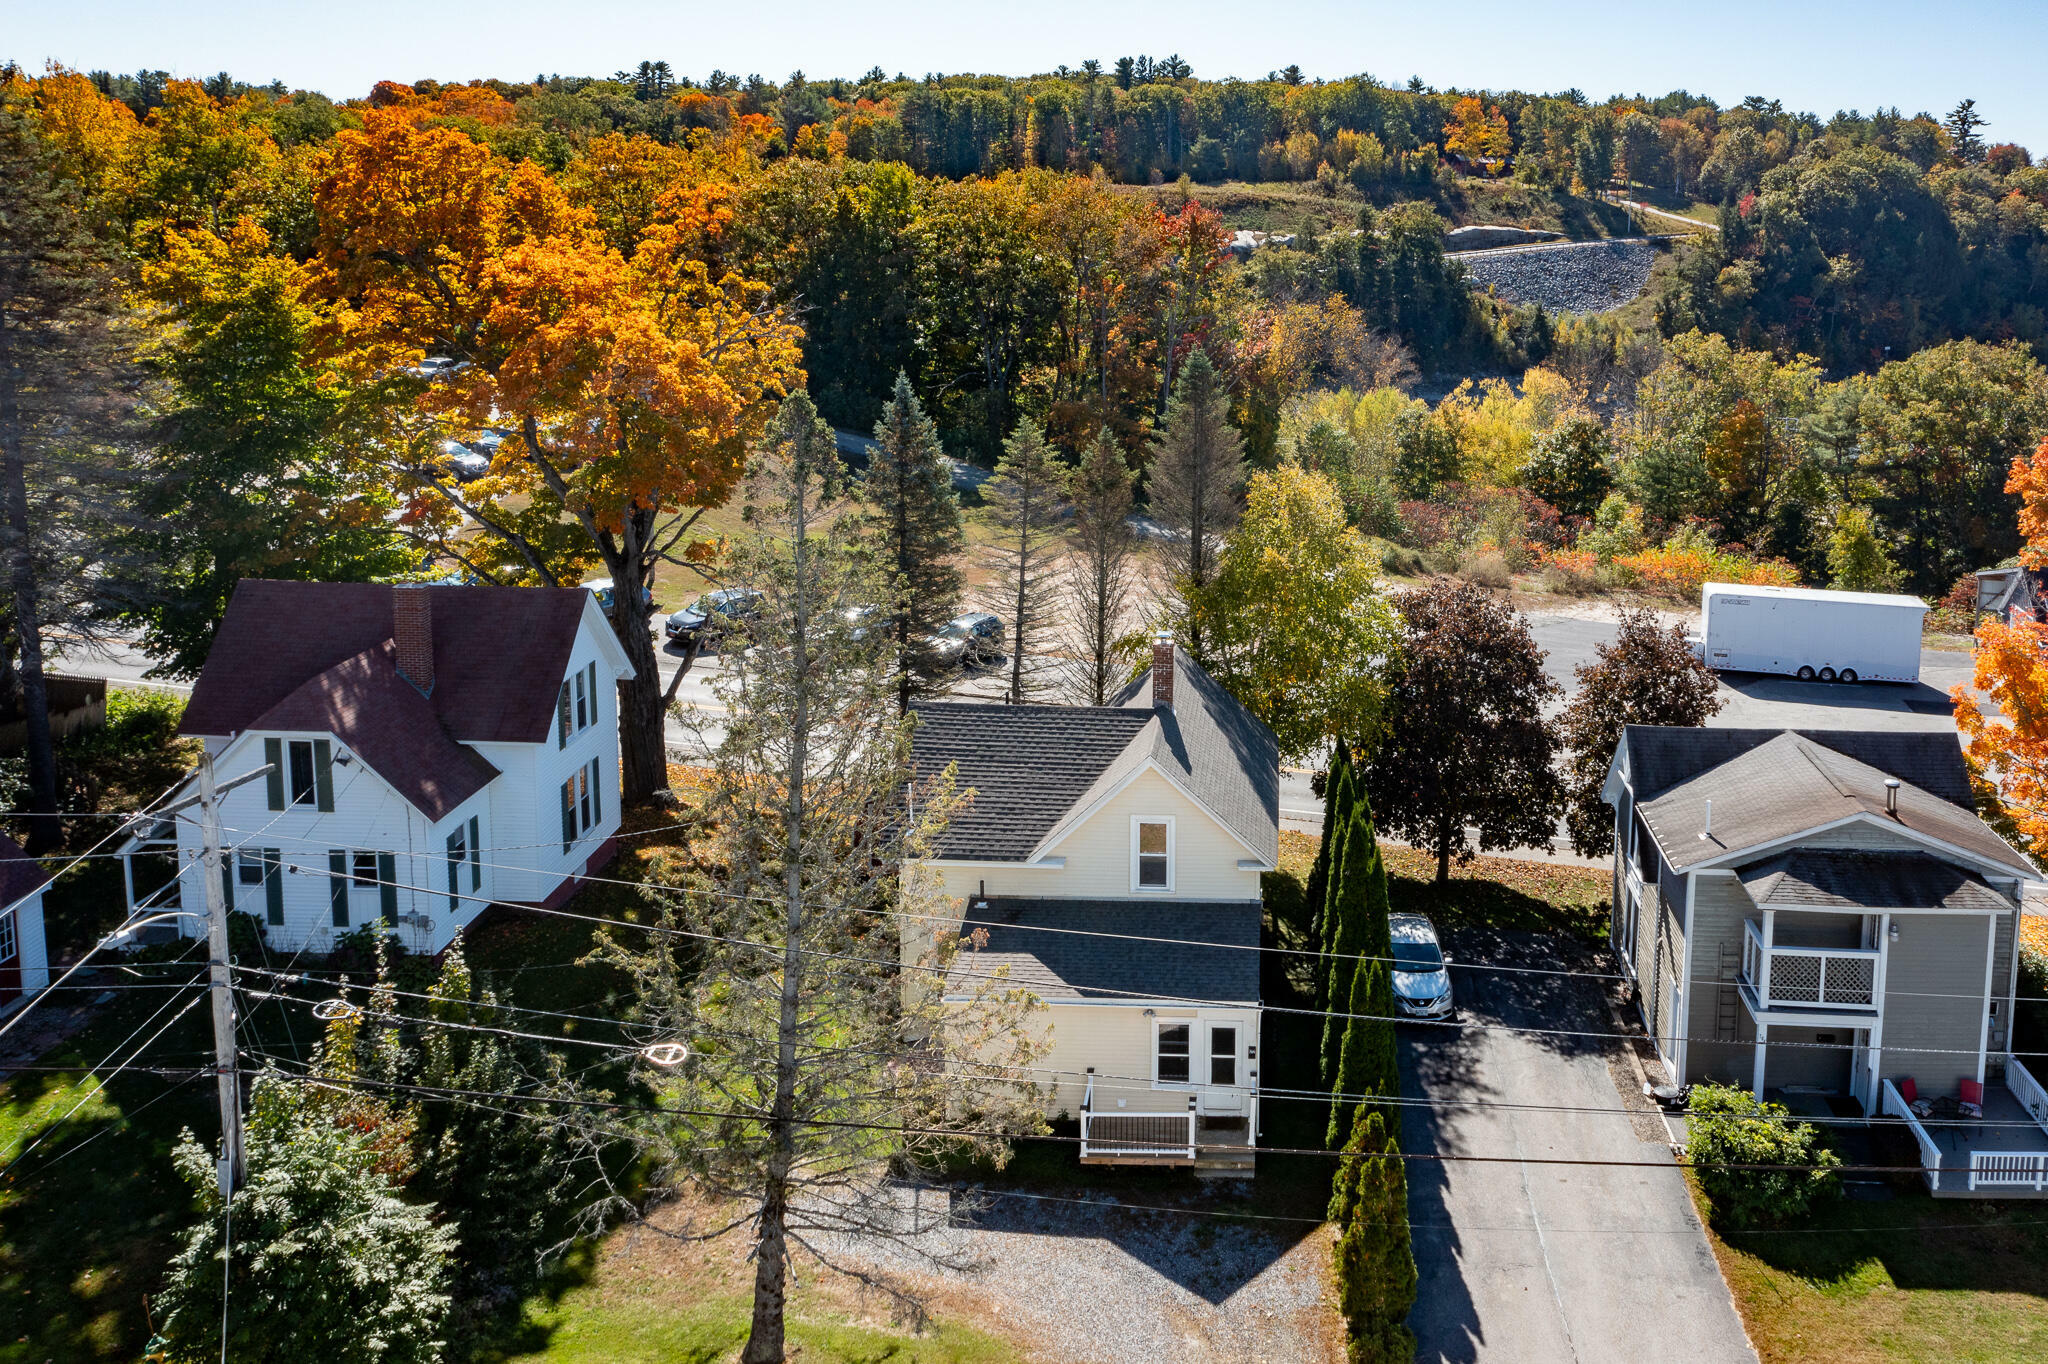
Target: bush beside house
[1758,1168]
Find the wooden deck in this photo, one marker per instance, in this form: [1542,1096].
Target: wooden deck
[2007,1130]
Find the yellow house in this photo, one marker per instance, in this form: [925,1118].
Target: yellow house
[1111,857]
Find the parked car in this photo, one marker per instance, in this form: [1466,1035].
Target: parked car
[464,462]
[964,641]
[713,615]
[602,589]
[1422,985]
[861,619]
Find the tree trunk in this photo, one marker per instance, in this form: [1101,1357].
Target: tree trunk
[1443,858]
[771,1269]
[43,831]
[643,711]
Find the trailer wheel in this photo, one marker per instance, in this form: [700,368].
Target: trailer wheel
[1827,674]
[1848,674]
[1806,673]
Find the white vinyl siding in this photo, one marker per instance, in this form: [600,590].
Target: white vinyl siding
[1100,854]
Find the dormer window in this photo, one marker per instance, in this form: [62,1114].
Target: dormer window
[1152,853]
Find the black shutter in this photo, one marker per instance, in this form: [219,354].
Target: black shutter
[227,880]
[562,718]
[568,815]
[476,857]
[596,805]
[273,885]
[592,671]
[387,887]
[273,753]
[337,885]
[323,774]
[456,857]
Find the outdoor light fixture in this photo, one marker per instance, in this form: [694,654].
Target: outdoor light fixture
[1895,931]
[1151,1013]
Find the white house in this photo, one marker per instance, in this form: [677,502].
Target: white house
[432,750]
[1111,856]
[24,959]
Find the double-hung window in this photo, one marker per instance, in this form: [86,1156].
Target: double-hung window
[582,802]
[1151,853]
[458,854]
[576,709]
[1222,1054]
[1171,1054]
[9,943]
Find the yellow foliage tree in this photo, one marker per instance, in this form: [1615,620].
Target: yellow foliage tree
[630,387]
[1479,133]
[2010,752]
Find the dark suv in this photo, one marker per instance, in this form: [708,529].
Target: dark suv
[714,615]
[965,641]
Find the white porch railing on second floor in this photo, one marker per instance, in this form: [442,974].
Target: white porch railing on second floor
[1808,977]
[1930,1154]
[1136,1136]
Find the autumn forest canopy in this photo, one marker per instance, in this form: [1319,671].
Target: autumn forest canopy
[598,290]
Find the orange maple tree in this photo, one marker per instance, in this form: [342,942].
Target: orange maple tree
[626,387]
[2010,750]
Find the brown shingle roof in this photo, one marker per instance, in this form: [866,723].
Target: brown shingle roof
[1792,784]
[383,719]
[20,874]
[499,653]
[1852,879]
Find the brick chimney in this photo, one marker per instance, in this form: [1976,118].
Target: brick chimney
[1162,671]
[412,630]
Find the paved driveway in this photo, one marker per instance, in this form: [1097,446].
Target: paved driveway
[1541,1263]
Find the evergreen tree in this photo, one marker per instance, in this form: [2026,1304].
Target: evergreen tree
[914,524]
[1027,499]
[1359,1028]
[1962,124]
[1374,1258]
[1857,559]
[1348,931]
[1336,810]
[67,394]
[1103,566]
[325,1257]
[1196,475]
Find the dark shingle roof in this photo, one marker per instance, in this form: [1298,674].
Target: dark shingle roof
[1842,878]
[1027,766]
[499,653]
[1035,769]
[1662,756]
[1791,784]
[1221,752]
[1071,949]
[20,874]
[383,719]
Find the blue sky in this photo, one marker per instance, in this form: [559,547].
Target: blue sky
[1821,55]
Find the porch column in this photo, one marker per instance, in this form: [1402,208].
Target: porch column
[1763,984]
[1756,1073]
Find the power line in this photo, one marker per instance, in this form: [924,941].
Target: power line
[1276,1093]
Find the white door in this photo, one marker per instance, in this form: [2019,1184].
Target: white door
[1222,1078]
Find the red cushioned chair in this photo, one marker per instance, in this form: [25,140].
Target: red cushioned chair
[1907,1090]
[1970,1096]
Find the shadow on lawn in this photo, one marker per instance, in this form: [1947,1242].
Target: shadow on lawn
[1920,1242]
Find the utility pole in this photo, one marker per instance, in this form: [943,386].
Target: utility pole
[226,1066]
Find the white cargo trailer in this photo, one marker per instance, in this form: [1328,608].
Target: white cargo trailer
[1808,633]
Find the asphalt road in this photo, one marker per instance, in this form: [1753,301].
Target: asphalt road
[1592,1264]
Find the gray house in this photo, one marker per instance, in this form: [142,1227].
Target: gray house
[1821,914]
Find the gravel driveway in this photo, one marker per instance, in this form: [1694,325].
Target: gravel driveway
[1087,1284]
[1574,277]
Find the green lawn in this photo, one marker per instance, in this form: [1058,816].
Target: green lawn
[1915,1278]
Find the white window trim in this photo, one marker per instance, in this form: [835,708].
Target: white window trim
[1236,1054]
[1136,821]
[1195,1032]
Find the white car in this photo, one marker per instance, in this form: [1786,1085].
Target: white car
[1422,985]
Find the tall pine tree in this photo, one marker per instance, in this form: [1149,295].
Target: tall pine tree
[1197,475]
[914,526]
[1027,500]
[1337,799]
[1358,1032]
[1103,567]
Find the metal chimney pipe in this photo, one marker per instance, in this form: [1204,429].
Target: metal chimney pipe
[1708,832]
[1891,796]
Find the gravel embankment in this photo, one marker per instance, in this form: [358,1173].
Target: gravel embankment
[1576,277]
[1089,1284]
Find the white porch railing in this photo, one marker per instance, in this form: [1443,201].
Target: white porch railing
[1135,1136]
[1930,1154]
[2009,1170]
[2016,1169]
[2027,1090]
[1808,977]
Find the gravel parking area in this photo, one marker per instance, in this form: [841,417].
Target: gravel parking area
[1576,277]
[1082,1283]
